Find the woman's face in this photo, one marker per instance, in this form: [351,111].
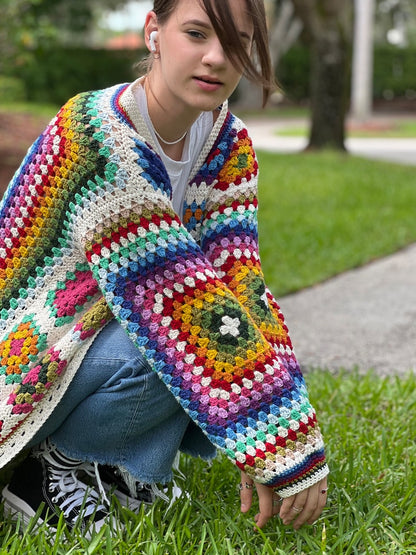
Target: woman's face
[193,71]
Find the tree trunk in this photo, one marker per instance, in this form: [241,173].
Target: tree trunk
[329,86]
[327,34]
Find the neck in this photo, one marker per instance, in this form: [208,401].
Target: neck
[170,143]
[170,122]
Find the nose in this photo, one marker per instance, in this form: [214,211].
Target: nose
[214,55]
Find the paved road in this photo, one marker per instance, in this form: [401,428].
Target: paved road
[365,317]
[264,136]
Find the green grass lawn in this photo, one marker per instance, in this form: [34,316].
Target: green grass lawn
[367,422]
[398,129]
[323,213]
[32,108]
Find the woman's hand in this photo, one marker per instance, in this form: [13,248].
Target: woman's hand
[304,507]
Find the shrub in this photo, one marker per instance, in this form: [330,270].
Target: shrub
[57,74]
[394,72]
[12,89]
[393,76]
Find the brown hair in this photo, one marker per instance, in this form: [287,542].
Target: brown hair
[257,68]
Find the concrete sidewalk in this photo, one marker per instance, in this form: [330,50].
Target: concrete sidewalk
[264,135]
[363,318]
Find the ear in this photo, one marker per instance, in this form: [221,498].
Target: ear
[150,26]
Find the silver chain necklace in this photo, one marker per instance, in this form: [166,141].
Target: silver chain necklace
[168,142]
[153,127]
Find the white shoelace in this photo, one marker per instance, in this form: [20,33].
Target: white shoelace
[80,496]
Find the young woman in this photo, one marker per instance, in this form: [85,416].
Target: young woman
[135,319]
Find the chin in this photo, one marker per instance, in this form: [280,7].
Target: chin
[209,106]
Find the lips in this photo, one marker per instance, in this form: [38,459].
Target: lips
[209,80]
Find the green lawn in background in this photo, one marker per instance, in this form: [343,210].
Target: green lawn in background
[33,109]
[398,129]
[323,213]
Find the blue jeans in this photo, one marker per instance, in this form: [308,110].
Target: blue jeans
[117,411]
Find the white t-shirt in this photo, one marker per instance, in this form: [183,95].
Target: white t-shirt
[179,170]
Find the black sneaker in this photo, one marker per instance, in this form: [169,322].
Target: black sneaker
[131,497]
[47,476]
[132,493]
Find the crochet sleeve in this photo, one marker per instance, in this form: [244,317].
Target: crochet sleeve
[281,427]
[202,316]
[229,239]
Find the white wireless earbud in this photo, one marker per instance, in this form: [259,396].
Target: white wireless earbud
[152,38]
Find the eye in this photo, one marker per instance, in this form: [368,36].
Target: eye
[195,34]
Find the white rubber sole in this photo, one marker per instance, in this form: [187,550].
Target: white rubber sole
[18,509]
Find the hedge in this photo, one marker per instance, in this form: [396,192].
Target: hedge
[394,72]
[56,74]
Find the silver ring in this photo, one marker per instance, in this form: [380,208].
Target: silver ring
[246,485]
[297,509]
[324,490]
[277,501]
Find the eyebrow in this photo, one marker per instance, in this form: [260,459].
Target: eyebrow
[205,25]
[197,22]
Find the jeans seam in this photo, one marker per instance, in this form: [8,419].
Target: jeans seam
[133,418]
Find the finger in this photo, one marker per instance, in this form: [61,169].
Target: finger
[262,519]
[266,497]
[313,506]
[293,506]
[246,492]
[322,499]
[277,503]
[309,508]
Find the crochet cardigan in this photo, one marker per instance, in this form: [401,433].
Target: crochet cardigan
[88,233]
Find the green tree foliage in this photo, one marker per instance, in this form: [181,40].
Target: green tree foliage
[396,20]
[27,24]
[21,31]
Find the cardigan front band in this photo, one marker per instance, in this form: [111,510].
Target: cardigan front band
[88,233]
